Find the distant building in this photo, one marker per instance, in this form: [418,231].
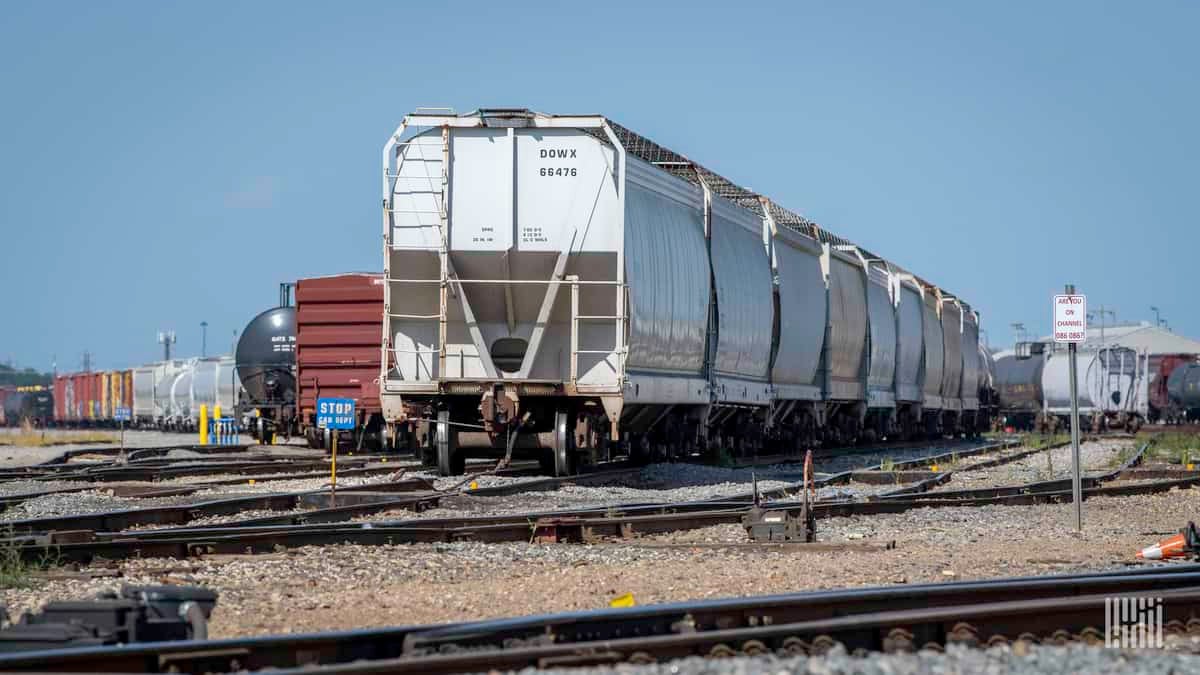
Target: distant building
[1141,336]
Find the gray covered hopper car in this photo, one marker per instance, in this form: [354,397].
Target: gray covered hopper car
[561,287]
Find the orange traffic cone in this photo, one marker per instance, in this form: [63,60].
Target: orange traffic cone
[1178,546]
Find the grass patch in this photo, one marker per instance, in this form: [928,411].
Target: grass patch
[29,437]
[15,570]
[1039,441]
[1175,447]
[888,465]
[1123,456]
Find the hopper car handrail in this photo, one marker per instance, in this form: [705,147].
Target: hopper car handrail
[595,282]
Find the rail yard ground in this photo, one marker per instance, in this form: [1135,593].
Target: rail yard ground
[27,448]
[339,586]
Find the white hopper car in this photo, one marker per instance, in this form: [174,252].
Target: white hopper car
[558,286]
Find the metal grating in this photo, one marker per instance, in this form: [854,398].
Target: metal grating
[693,172]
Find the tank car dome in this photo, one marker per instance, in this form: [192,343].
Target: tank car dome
[266,356]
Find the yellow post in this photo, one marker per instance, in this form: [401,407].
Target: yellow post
[203,425]
[333,472]
[217,423]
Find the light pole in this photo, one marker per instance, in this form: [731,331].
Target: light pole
[1157,320]
[1018,331]
[203,339]
[166,338]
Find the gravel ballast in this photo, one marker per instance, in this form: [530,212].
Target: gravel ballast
[1095,457]
[349,586]
[1032,660]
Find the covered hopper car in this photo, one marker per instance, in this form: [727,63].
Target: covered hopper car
[560,286]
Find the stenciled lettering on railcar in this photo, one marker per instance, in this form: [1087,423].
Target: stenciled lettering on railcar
[283,343]
[553,171]
[533,234]
[487,235]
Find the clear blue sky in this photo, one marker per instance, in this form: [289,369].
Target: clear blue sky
[167,163]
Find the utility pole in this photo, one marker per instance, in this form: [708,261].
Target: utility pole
[1157,319]
[1018,331]
[233,347]
[203,339]
[1100,312]
[87,362]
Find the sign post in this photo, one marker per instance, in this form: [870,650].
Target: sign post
[122,415]
[1070,327]
[334,414]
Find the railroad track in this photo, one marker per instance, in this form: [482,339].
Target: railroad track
[323,526]
[1051,609]
[287,468]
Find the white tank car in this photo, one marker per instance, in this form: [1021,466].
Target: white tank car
[1113,384]
[560,287]
[210,382]
[152,391]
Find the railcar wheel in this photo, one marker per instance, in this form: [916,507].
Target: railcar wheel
[450,459]
[564,446]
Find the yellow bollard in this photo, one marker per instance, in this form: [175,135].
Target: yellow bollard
[217,425]
[203,425]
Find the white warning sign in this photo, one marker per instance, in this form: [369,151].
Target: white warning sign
[1070,318]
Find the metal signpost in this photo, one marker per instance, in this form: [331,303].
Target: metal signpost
[334,414]
[1070,327]
[122,415]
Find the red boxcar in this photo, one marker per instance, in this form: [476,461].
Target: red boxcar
[84,399]
[339,331]
[60,398]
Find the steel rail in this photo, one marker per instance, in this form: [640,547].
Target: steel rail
[590,526]
[115,521]
[1052,620]
[656,630]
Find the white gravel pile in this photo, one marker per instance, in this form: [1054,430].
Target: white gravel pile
[851,462]
[283,485]
[12,488]
[1096,457]
[81,503]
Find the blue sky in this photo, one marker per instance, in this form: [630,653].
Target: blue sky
[168,163]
